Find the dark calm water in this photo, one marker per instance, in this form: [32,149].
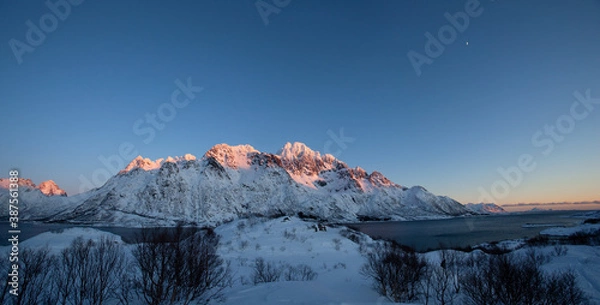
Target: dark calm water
[31,229]
[421,235]
[467,231]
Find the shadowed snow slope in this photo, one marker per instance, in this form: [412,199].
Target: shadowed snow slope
[230,182]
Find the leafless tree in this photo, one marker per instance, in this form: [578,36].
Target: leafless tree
[90,272]
[74,273]
[445,277]
[478,281]
[179,266]
[36,271]
[395,273]
[109,262]
[517,278]
[561,289]
[125,293]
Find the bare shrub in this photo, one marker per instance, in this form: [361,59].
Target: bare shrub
[535,257]
[445,277]
[560,250]
[538,241]
[351,235]
[585,238]
[561,288]
[126,292]
[89,272]
[299,272]
[179,267]
[74,272]
[36,274]
[306,273]
[265,272]
[478,281]
[512,279]
[396,274]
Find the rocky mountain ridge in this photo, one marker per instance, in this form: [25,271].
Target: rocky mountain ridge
[230,182]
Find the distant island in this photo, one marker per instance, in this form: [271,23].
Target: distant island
[579,205]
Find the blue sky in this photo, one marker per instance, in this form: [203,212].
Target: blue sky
[317,67]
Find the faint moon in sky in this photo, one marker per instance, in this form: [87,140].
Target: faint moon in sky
[467,43]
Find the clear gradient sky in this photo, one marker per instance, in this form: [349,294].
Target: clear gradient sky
[315,68]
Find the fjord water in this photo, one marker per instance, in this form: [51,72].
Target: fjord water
[31,229]
[421,234]
[424,235]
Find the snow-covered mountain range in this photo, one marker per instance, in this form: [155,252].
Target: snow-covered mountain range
[229,182]
[47,188]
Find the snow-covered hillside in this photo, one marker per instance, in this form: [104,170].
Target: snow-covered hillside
[485,208]
[230,182]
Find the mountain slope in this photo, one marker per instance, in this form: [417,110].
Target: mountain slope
[485,208]
[229,182]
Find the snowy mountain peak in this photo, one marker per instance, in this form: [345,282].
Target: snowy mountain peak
[299,150]
[147,164]
[4,183]
[304,164]
[189,157]
[50,188]
[296,150]
[142,163]
[238,156]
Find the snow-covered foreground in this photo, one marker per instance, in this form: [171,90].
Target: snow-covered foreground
[584,228]
[339,280]
[335,258]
